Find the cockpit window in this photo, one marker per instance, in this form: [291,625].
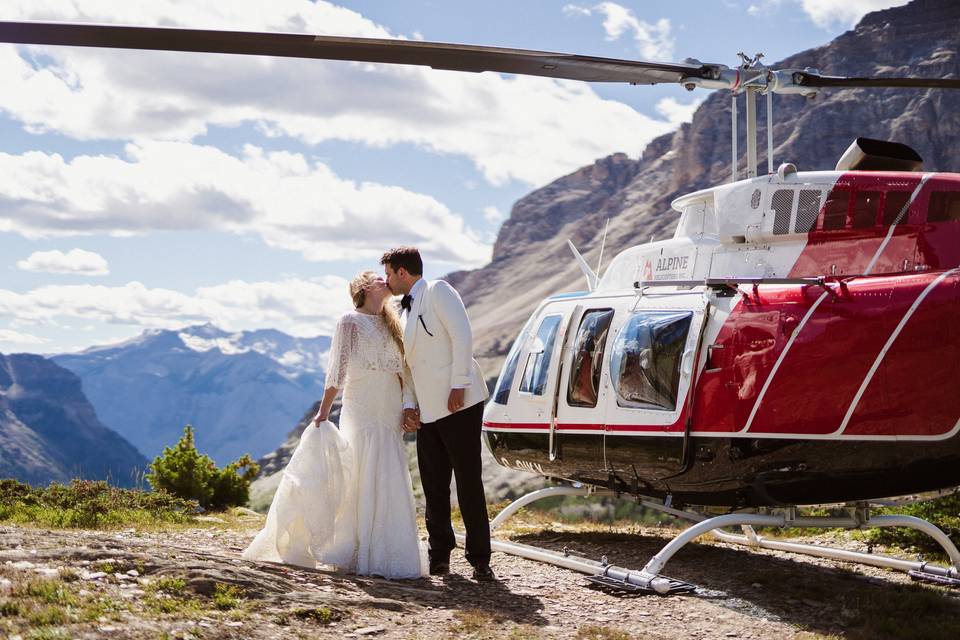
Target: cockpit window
[584,384]
[538,358]
[646,358]
[502,393]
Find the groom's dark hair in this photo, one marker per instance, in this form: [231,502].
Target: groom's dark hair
[406,257]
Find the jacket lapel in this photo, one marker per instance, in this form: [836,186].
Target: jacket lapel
[412,329]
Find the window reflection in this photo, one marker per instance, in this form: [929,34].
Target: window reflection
[584,384]
[502,393]
[538,359]
[646,359]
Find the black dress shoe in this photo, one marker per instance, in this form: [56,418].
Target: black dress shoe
[483,572]
[439,568]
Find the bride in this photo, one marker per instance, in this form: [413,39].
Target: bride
[345,498]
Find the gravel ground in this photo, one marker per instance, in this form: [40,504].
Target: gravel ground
[741,594]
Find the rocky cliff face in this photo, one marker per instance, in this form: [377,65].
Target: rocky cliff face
[49,430]
[531,260]
[240,391]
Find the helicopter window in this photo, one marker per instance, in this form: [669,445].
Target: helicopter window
[895,204]
[782,204]
[646,359]
[944,206]
[835,211]
[808,208]
[865,209]
[538,360]
[584,385]
[502,393]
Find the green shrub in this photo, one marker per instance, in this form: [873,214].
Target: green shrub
[185,472]
[89,504]
[943,512]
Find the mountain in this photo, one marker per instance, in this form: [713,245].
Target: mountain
[241,391]
[49,430]
[530,256]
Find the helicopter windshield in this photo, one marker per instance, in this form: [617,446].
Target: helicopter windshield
[645,363]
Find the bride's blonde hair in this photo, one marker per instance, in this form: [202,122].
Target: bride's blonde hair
[388,313]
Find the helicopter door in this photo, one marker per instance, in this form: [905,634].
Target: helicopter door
[652,357]
[581,394]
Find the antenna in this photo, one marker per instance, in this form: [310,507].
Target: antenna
[602,243]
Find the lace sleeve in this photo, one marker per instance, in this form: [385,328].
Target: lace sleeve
[409,393]
[341,349]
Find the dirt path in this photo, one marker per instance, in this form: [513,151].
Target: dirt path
[742,594]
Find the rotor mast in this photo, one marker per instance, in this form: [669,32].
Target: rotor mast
[753,78]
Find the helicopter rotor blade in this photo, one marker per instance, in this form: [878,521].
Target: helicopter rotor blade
[815,80]
[456,57]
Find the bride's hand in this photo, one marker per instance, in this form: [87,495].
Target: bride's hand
[321,417]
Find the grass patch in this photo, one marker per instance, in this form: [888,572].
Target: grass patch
[47,616]
[52,592]
[476,622]
[227,596]
[169,585]
[47,634]
[901,611]
[10,609]
[86,504]
[316,615]
[593,632]
[524,632]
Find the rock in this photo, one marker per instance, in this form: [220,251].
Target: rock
[5,586]
[369,631]
[94,575]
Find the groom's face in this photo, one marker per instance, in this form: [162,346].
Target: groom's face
[394,281]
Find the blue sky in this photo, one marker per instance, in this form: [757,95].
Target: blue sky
[157,190]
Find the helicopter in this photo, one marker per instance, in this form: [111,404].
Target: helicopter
[791,345]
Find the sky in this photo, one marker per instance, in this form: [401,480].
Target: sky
[156,190]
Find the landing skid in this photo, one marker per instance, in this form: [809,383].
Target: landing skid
[649,579]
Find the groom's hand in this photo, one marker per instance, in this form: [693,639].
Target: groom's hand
[411,420]
[455,402]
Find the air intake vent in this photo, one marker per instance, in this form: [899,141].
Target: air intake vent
[866,154]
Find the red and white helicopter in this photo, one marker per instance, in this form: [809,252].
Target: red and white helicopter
[795,343]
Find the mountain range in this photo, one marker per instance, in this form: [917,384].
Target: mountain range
[241,391]
[49,431]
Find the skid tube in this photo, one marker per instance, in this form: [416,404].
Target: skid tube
[648,579]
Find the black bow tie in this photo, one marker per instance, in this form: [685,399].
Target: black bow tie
[406,301]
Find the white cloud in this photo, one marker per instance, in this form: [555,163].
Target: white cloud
[764,7]
[829,13]
[76,261]
[93,94]
[296,306]
[653,39]
[282,197]
[493,215]
[677,112]
[15,337]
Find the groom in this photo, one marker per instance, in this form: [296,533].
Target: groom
[449,389]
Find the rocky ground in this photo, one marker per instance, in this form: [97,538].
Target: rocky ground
[189,582]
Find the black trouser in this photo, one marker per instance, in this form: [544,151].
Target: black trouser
[452,444]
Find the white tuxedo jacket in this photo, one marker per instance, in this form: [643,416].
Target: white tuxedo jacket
[443,360]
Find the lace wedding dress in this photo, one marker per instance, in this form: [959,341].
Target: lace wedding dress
[345,498]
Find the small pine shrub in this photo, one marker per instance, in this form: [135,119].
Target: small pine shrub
[185,472]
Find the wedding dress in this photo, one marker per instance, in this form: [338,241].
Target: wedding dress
[345,498]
